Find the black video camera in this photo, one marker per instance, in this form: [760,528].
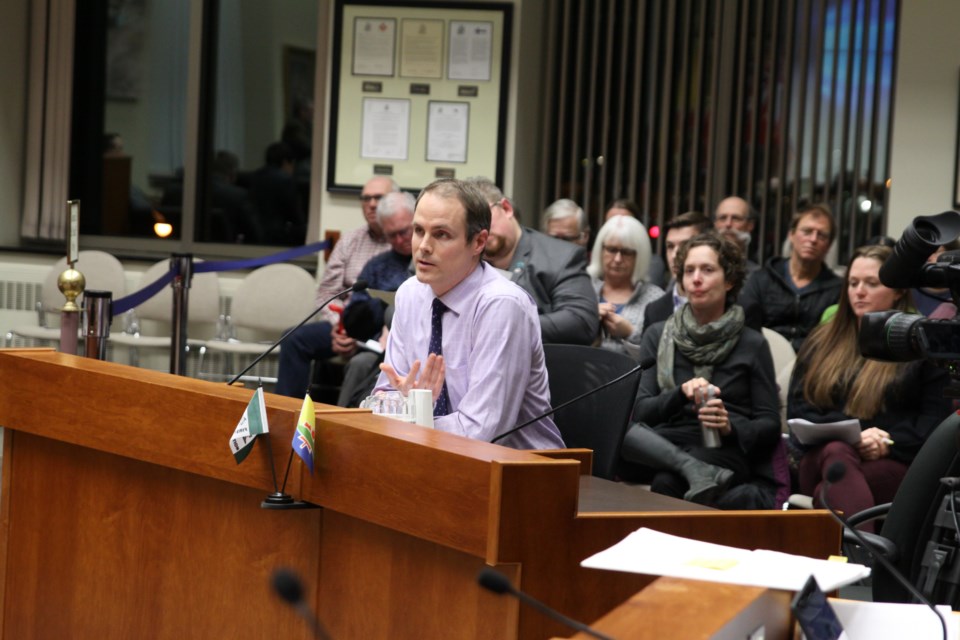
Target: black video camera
[895,336]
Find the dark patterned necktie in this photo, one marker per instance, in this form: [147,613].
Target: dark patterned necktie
[442,406]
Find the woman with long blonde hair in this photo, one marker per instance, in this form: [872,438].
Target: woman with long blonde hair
[897,404]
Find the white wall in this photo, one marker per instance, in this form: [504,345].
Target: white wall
[924,143]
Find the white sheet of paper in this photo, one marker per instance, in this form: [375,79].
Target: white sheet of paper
[812,433]
[882,620]
[655,553]
[386,128]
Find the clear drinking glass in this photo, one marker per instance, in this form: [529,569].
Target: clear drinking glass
[387,403]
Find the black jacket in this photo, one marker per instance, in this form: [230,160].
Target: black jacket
[913,407]
[554,273]
[768,300]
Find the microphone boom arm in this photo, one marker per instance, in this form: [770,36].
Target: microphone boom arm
[359,285]
[562,405]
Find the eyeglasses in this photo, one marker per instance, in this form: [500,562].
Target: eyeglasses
[399,233]
[731,217]
[806,232]
[371,197]
[624,253]
[569,238]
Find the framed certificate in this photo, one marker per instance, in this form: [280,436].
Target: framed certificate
[418,91]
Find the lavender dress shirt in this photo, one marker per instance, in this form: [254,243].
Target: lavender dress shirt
[495,372]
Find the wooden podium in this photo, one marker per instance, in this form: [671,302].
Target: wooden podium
[123,514]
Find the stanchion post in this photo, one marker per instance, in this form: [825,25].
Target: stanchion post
[71,284]
[181,297]
[96,323]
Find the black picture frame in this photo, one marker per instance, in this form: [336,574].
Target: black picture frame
[417,171]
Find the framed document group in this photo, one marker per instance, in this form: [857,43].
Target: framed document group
[418,92]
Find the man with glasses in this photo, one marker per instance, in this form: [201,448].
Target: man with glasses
[734,218]
[789,295]
[552,271]
[351,253]
[566,220]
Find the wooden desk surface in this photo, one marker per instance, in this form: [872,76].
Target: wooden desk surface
[604,496]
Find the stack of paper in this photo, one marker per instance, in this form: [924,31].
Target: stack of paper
[651,552]
[812,433]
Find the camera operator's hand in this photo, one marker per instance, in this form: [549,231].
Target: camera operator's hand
[874,444]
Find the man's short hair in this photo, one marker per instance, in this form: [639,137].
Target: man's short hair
[818,210]
[394,187]
[487,187]
[694,219]
[624,203]
[752,214]
[468,193]
[393,202]
[566,208]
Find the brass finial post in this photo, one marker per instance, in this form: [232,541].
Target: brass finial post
[71,284]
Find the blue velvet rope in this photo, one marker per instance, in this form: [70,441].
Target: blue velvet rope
[249,263]
[137,298]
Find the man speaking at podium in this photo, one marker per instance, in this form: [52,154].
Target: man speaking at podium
[476,334]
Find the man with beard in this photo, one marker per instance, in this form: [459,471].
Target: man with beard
[552,271]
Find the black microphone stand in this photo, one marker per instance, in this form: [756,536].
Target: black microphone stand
[278,499]
[568,403]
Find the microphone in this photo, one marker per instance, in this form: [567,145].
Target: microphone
[498,583]
[288,586]
[835,474]
[563,405]
[359,285]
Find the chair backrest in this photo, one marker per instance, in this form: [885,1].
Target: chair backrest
[203,304]
[273,298]
[909,523]
[599,421]
[784,357]
[101,271]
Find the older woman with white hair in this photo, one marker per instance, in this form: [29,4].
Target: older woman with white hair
[618,266]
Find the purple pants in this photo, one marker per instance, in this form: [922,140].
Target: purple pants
[866,483]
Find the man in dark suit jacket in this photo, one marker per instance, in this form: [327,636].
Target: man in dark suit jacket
[552,271]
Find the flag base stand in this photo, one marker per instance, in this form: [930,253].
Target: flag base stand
[282,501]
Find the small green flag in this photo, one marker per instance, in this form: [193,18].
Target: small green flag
[252,424]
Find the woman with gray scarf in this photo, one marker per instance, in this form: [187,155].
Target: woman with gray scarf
[707,408]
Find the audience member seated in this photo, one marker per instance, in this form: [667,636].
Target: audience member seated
[565,220]
[735,218]
[789,295]
[349,256]
[705,344]
[552,271]
[678,230]
[367,318]
[276,197]
[897,404]
[657,273]
[617,267]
